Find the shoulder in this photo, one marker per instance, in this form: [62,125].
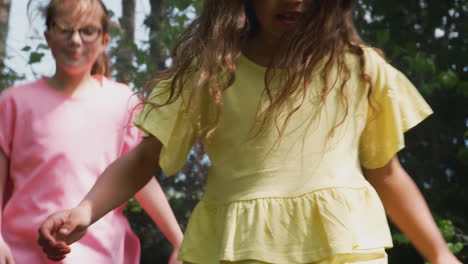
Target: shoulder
[22,91]
[116,90]
[376,64]
[114,86]
[371,58]
[117,94]
[386,79]
[373,55]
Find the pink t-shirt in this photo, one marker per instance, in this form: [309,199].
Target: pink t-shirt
[57,147]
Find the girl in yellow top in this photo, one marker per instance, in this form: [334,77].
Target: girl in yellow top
[302,123]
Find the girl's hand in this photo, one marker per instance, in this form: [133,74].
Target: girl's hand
[62,229]
[174,255]
[5,253]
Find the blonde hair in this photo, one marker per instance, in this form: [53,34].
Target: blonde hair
[80,8]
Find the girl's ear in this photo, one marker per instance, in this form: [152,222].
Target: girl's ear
[105,40]
[46,36]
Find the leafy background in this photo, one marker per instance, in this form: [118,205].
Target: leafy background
[425,39]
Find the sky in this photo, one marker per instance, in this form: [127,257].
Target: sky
[23,33]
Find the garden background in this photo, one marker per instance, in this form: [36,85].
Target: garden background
[425,39]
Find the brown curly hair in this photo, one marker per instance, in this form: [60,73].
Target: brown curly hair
[212,44]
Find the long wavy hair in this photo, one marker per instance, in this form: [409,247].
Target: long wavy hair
[212,44]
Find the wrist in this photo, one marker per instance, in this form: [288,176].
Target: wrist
[177,243]
[444,256]
[3,243]
[85,210]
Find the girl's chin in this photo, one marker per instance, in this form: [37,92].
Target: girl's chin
[75,70]
[74,66]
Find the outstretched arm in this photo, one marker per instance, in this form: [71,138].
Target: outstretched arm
[128,174]
[407,208]
[120,181]
[154,201]
[5,252]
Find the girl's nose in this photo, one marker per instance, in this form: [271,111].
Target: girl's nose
[75,37]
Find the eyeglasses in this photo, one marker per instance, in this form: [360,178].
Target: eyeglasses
[88,34]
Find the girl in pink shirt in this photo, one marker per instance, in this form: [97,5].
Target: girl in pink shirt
[58,134]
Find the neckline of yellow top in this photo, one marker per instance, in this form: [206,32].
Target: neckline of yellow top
[251,63]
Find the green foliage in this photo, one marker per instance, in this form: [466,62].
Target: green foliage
[400,238]
[456,241]
[133,207]
[8,77]
[153,55]
[462,88]
[185,189]
[436,153]
[36,55]
[448,79]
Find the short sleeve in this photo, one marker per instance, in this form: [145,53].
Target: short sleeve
[397,107]
[132,134]
[172,124]
[7,121]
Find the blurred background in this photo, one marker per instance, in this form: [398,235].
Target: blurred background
[425,39]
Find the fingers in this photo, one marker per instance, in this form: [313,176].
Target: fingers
[50,227]
[58,252]
[6,258]
[67,227]
[73,228]
[52,245]
[9,259]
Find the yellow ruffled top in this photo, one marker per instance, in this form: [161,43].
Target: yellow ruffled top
[301,198]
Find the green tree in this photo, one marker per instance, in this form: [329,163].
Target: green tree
[124,51]
[4,19]
[424,39]
[166,22]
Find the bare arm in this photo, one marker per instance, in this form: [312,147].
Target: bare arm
[407,208]
[154,201]
[123,178]
[120,181]
[3,178]
[134,171]
[5,253]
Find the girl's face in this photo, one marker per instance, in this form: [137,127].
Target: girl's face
[276,17]
[76,41]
